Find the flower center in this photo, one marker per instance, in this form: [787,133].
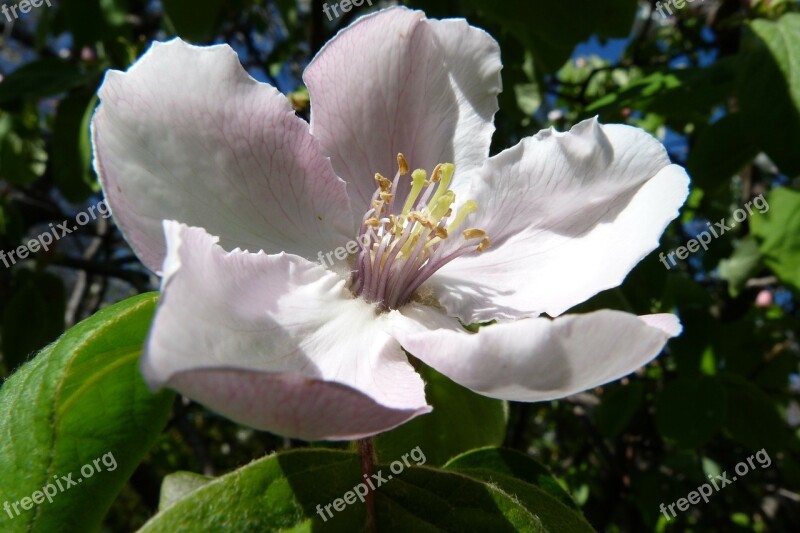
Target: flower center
[401,248]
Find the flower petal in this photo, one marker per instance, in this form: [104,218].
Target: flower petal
[570,214]
[422,87]
[187,134]
[275,342]
[535,359]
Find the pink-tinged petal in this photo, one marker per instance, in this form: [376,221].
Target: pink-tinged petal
[425,88]
[472,59]
[290,404]
[186,134]
[535,359]
[252,335]
[568,215]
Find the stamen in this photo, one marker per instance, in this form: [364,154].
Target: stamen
[400,251]
[402,164]
[417,183]
[384,183]
[473,233]
[465,210]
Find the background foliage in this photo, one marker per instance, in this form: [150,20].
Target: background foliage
[718,81]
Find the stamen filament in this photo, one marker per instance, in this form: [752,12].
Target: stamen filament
[399,251]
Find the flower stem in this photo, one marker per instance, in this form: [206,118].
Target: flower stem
[367,454]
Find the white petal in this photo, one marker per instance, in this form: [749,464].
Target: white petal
[186,134]
[275,342]
[535,359]
[569,215]
[425,88]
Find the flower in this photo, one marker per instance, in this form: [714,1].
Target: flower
[200,163]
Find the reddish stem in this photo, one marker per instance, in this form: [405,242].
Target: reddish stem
[367,454]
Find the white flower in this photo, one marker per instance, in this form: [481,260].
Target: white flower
[189,146]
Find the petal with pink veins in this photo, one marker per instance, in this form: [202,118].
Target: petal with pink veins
[275,342]
[568,215]
[186,134]
[398,82]
[535,359]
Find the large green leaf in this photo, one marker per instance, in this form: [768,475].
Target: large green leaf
[289,492]
[690,410]
[81,400]
[551,30]
[685,94]
[618,405]
[72,147]
[530,483]
[33,316]
[778,233]
[721,151]
[91,21]
[490,462]
[45,77]
[461,420]
[192,19]
[753,418]
[744,263]
[769,88]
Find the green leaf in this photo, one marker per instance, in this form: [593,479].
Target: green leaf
[753,417]
[81,400]
[690,410]
[769,88]
[22,154]
[721,151]
[551,30]
[72,147]
[38,79]
[744,263]
[617,406]
[290,491]
[33,316]
[91,21]
[192,19]
[512,464]
[461,420]
[778,234]
[684,94]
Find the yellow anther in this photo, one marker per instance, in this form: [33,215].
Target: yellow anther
[474,233]
[374,222]
[485,243]
[441,232]
[386,196]
[402,164]
[385,184]
[417,183]
[437,173]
